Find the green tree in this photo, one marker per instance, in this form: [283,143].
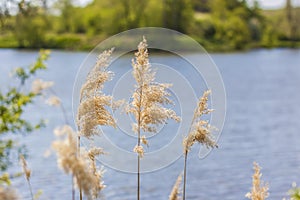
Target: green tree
[291,19]
[201,5]
[30,27]
[4,14]
[12,105]
[177,14]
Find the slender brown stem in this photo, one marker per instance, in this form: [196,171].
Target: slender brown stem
[61,106]
[80,190]
[73,189]
[30,189]
[139,140]
[63,110]
[138,164]
[184,174]
[138,179]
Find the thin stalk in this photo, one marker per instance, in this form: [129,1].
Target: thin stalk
[138,164]
[184,174]
[138,179]
[61,106]
[139,141]
[30,189]
[185,159]
[73,189]
[80,190]
[63,110]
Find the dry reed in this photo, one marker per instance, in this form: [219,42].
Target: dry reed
[39,85]
[200,131]
[176,189]
[7,193]
[259,189]
[27,173]
[82,168]
[94,105]
[147,102]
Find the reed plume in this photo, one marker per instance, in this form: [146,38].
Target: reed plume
[86,176]
[39,85]
[94,105]
[54,101]
[147,102]
[259,189]
[200,131]
[27,173]
[176,189]
[98,173]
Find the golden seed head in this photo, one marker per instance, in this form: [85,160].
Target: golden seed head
[176,189]
[149,97]
[139,150]
[39,85]
[94,105]
[201,130]
[26,170]
[259,190]
[83,167]
[53,101]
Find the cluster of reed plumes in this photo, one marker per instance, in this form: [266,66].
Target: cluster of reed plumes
[149,99]
[92,112]
[148,108]
[83,168]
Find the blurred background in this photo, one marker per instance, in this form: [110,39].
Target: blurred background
[255,45]
[219,25]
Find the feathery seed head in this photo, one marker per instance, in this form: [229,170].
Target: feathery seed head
[83,168]
[149,97]
[176,189]
[53,101]
[201,130]
[26,170]
[259,189]
[144,140]
[139,150]
[94,104]
[39,85]
[98,173]
[63,130]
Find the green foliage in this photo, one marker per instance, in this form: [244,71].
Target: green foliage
[201,5]
[12,104]
[5,179]
[223,25]
[294,192]
[66,41]
[67,13]
[30,25]
[269,37]
[234,32]
[177,14]
[5,149]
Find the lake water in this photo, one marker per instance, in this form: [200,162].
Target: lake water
[262,124]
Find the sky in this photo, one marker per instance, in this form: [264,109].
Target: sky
[265,4]
[272,4]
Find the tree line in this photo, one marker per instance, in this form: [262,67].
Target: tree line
[216,24]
